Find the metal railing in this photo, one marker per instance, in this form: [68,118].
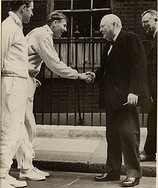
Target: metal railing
[62,101]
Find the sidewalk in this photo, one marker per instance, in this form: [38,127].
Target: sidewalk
[78,149]
[60,179]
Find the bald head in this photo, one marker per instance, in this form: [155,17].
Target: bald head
[110,25]
[111,18]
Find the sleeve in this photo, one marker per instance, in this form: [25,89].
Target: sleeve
[101,70]
[7,37]
[49,55]
[99,74]
[138,65]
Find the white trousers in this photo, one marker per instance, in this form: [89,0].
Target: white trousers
[12,125]
[26,153]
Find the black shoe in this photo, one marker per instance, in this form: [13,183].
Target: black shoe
[130,182]
[144,157]
[107,177]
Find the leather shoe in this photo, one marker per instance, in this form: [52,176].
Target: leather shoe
[144,157]
[130,182]
[107,177]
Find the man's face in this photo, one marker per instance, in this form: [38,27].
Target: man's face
[149,25]
[106,28]
[27,12]
[60,26]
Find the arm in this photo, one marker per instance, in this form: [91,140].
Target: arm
[101,71]
[7,38]
[49,55]
[137,62]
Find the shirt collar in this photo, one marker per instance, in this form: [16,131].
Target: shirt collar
[16,18]
[156,31]
[48,29]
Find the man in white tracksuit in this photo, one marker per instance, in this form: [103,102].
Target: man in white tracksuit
[41,49]
[14,71]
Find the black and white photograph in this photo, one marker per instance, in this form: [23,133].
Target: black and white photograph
[78,93]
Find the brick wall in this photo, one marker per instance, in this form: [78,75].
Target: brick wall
[130,12]
[60,96]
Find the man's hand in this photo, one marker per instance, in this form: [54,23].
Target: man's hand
[88,77]
[84,76]
[132,99]
[91,75]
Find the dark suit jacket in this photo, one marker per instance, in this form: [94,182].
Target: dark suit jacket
[123,71]
[152,68]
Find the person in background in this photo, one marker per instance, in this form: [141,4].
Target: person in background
[41,49]
[150,29]
[14,71]
[122,80]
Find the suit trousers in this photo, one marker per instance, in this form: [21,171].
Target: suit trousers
[123,137]
[13,112]
[26,152]
[150,143]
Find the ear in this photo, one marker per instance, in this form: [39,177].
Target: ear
[23,8]
[55,22]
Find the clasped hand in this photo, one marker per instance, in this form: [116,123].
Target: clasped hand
[89,77]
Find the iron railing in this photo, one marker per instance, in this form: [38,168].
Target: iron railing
[62,101]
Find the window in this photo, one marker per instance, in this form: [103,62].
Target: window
[84,15]
[80,47]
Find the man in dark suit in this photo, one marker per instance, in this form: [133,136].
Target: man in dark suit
[122,85]
[149,25]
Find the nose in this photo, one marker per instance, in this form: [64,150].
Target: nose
[65,28]
[31,13]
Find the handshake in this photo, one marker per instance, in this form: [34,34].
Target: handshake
[89,76]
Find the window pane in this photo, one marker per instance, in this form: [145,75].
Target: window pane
[82,24]
[101,3]
[97,16]
[82,4]
[62,4]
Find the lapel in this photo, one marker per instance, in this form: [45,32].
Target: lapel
[105,51]
[154,42]
[153,45]
[115,45]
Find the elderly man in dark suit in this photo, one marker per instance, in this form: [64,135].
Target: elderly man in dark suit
[122,88]
[149,25]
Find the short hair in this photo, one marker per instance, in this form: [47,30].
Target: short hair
[55,15]
[14,5]
[152,12]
